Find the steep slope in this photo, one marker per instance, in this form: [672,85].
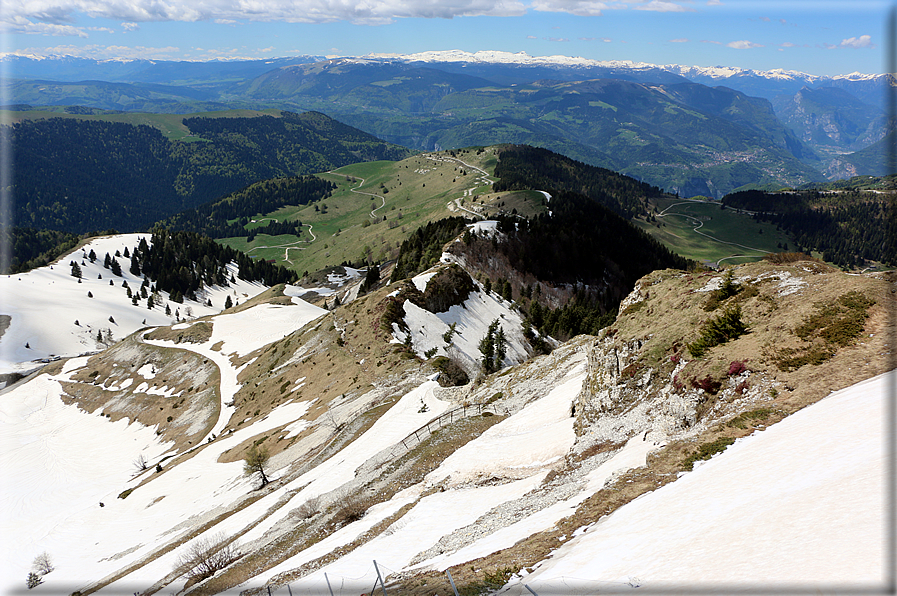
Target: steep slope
[93,311]
[833,123]
[371,460]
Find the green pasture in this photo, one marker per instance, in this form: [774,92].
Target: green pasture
[416,191]
[724,236]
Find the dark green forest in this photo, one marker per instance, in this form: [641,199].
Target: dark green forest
[523,167]
[77,175]
[183,262]
[226,217]
[847,227]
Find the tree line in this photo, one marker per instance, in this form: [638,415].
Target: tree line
[847,227]
[78,175]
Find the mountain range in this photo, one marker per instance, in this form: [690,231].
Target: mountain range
[695,131]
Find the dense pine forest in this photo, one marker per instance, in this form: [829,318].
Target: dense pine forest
[182,263]
[77,175]
[525,167]
[226,217]
[848,227]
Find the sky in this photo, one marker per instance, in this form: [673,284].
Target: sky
[816,36]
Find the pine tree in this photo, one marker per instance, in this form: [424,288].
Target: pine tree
[228,302]
[76,270]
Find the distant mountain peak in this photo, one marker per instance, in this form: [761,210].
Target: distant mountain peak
[522,58]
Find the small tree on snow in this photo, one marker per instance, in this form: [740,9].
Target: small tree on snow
[34,580]
[206,556]
[254,462]
[43,564]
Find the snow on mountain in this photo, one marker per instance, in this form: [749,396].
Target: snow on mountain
[81,311]
[470,321]
[522,58]
[800,504]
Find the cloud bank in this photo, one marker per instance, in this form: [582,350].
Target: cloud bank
[57,17]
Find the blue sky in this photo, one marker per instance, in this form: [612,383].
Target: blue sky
[819,37]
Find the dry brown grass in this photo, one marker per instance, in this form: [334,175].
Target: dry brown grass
[183,419]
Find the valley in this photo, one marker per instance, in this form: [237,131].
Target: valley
[483,324]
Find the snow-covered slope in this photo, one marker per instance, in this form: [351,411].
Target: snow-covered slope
[53,315]
[801,504]
[510,471]
[522,58]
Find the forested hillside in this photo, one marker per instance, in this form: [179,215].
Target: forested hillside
[847,227]
[525,167]
[77,175]
[181,263]
[226,217]
[567,269]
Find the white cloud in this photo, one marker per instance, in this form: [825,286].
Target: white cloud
[307,11]
[679,40]
[22,25]
[714,3]
[743,45]
[863,41]
[663,6]
[556,39]
[129,27]
[765,19]
[582,8]
[719,43]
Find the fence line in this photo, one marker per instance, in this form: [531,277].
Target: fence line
[445,418]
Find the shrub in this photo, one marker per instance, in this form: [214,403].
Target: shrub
[728,289]
[33,581]
[206,556]
[736,367]
[706,451]
[719,330]
[708,384]
[309,508]
[43,564]
[353,508]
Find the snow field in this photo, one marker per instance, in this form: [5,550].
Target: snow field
[28,297]
[800,504]
[524,443]
[537,436]
[256,327]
